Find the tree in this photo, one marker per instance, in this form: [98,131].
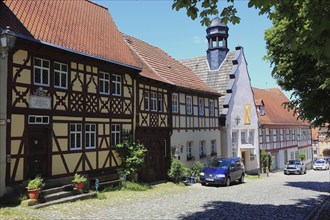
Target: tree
[302,156]
[298,47]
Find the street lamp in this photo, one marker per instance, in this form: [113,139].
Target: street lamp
[7,40]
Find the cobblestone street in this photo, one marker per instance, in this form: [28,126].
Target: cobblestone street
[278,196]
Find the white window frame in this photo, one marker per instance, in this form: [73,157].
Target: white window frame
[38,119]
[116,84]
[212,107]
[202,150]
[90,132]
[189,105]
[160,102]
[115,134]
[153,100]
[213,146]
[251,137]
[189,148]
[104,83]
[201,106]
[243,140]
[61,74]
[175,103]
[146,100]
[41,68]
[77,134]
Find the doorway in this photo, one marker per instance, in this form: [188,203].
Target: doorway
[36,159]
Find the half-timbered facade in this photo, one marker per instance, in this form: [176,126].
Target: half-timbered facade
[69,100]
[280,133]
[227,72]
[187,109]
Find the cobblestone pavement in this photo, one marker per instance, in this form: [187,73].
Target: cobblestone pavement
[278,196]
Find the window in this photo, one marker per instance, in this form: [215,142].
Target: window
[153,99]
[90,136]
[160,102]
[263,131]
[189,105]
[189,150]
[201,106]
[211,107]
[146,101]
[270,135]
[278,135]
[262,110]
[251,137]
[41,72]
[38,119]
[116,85]
[75,136]
[202,152]
[175,103]
[115,134]
[284,135]
[104,83]
[213,147]
[243,137]
[61,75]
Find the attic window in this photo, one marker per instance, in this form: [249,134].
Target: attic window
[262,110]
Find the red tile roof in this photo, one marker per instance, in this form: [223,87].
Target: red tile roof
[165,67]
[79,25]
[275,112]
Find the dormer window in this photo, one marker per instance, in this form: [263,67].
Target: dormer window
[262,110]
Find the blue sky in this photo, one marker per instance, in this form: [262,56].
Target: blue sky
[172,31]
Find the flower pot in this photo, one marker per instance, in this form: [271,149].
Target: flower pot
[34,193]
[79,185]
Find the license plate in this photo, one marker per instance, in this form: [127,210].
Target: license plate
[209,179]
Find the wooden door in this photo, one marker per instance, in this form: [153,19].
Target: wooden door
[37,153]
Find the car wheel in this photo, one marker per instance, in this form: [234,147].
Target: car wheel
[203,184]
[228,181]
[301,172]
[305,171]
[241,180]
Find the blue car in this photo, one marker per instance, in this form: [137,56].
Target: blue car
[223,171]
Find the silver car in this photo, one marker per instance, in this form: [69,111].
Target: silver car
[321,165]
[295,166]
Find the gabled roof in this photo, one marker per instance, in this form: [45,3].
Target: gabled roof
[275,112]
[217,79]
[79,25]
[163,66]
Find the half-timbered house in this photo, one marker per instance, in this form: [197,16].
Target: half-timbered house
[188,106]
[227,72]
[281,134]
[70,83]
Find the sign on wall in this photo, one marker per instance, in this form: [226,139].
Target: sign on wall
[40,102]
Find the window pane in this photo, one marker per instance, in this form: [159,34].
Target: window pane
[37,75]
[63,80]
[57,79]
[37,62]
[45,64]
[45,77]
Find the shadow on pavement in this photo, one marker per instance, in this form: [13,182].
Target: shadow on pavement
[315,186]
[303,209]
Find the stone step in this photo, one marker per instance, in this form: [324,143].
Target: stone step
[68,187]
[59,195]
[66,199]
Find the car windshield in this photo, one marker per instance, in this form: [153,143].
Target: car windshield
[320,161]
[219,163]
[294,162]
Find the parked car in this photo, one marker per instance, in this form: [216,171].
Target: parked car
[321,165]
[295,166]
[223,171]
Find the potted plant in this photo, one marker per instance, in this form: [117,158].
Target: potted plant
[34,187]
[78,181]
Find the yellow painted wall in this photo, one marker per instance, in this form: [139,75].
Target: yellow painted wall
[57,165]
[92,159]
[20,56]
[23,77]
[19,172]
[17,125]
[15,146]
[72,160]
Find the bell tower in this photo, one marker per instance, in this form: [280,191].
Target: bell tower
[216,35]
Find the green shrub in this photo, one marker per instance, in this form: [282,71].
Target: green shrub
[35,183]
[177,171]
[196,168]
[133,186]
[302,156]
[101,196]
[79,178]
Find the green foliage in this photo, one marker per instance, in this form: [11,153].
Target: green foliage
[266,161]
[132,156]
[133,186]
[177,171]
[35,183]
[196,168]
[79,178]
[101,196]
[298,48]
[302,156]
